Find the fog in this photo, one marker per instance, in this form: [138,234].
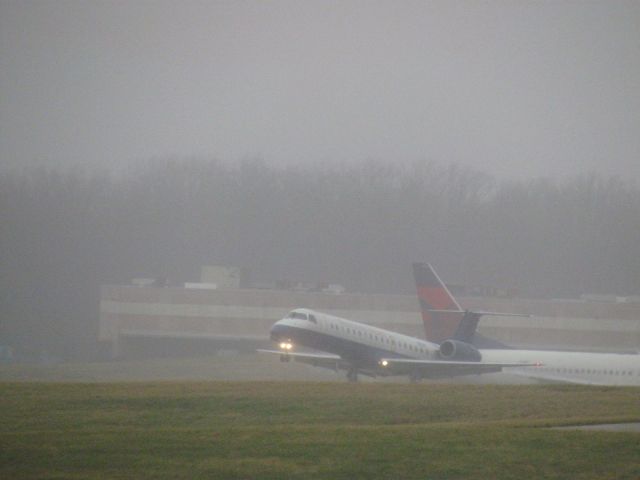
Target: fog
[517,89]
[64,233]
[315,141]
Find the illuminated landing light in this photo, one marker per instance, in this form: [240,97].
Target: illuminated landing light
[286,346]
[384,363]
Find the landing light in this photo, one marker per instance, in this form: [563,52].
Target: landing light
[384,363]
[286,346]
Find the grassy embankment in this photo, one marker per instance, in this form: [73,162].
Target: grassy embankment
[313,430]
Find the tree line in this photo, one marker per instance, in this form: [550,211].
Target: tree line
[65,232]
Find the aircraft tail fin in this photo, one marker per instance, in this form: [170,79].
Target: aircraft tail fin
[466,331]
[441,314]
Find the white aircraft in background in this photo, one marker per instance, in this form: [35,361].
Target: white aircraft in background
[359,348]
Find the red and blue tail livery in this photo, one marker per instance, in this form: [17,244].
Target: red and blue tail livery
[435,302]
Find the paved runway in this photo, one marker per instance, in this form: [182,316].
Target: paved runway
[609,427]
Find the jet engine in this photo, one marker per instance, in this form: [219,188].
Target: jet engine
[457,350]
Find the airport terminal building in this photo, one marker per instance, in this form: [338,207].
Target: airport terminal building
[216,314]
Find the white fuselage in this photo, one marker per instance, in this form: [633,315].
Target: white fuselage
[575,367]
[340,336]
[367,345]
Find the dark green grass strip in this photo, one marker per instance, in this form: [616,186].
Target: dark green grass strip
[291,430]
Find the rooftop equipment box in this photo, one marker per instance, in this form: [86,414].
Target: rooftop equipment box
[223,277]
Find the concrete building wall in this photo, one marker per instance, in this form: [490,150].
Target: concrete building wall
[229,316]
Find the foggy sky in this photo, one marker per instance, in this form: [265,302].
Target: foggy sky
[518,89]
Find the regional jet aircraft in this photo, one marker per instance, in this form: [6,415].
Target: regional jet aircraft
[452,328]
[449,350]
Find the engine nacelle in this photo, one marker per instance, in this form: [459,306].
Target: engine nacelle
[457,350]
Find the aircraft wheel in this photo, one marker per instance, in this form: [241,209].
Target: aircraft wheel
[352,375]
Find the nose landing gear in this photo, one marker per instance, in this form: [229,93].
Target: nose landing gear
[284,357]
[352,375]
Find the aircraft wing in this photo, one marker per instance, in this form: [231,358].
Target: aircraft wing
[443,368]
[327,360]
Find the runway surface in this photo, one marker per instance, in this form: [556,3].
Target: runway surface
[608,427]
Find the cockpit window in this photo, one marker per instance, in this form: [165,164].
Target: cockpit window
[302,316]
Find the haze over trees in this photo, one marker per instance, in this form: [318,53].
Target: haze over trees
[63,233]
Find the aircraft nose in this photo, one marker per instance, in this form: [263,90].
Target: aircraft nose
[278,332]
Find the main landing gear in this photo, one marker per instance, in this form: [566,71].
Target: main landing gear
[352,375]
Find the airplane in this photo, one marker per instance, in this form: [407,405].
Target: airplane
[359,348]
[450,349]
[443,318]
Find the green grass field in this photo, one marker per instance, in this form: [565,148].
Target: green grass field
[243,430]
